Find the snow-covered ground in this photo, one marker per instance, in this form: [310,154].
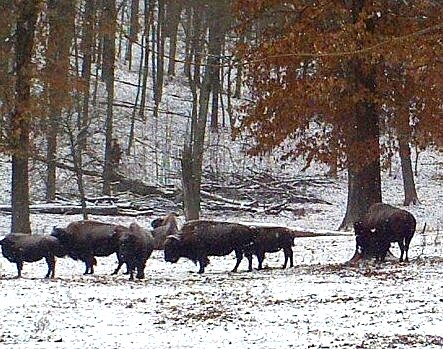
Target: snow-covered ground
[320,303]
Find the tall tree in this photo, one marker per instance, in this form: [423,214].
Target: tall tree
[7,28]
[21,115]
[134,28]
[109,27]
[217,32]
[192,158]
[315,77]
[61,25]
[173,13]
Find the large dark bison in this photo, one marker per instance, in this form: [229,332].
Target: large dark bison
[382,225]
[135,247]
[19,248]
[199,239]
[163,227]
[84,240]
[271,239]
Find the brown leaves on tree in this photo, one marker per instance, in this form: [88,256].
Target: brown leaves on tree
[311,65]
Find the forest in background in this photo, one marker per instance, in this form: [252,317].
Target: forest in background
[351,84]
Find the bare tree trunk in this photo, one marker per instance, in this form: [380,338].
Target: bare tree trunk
[110,17]
[187,26]
[61,15]
[160,41]
[87,47]
[238,79]
[76,153]
[148,13]
[122,30]
[21,116]
[134,111]
[134,29]
[174,9]
[217,33]
[192,160]
[411,196]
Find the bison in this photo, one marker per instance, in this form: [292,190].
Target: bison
[382,225]
[83,240]
[199,239]
[19,248]
[135,247]
[163,227]
[271,239]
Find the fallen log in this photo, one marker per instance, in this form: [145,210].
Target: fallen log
[77,209]
[120,182]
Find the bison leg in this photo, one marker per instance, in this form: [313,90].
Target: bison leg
[50,261]
[402,249]
[407,242]
[89,263]
[382,254]
[260,258]
[203,261]
[19,268]
[289,255]
[141,271]
[120,263]
[239,256]
[249,257]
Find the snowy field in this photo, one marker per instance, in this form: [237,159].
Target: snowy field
[320,303]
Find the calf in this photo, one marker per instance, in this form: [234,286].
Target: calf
[135,247]
[19,248]
[382,225]
[84,240]
[199,239]
[272,239]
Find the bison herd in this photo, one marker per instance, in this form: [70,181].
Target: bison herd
[196,240]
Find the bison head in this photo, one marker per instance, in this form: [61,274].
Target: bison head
[172,249]
[61,234]
[56,246]
[362,237]
[158,222]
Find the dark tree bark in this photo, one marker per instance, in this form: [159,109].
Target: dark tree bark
[173,13]
[137,96]
[411,196]
[110,18]
[121,31]
[238,79]
[61,24]
[87,48]
[364,178]
[21,116]
[148,13]
[192,160]
[134,29]
[217,32]
[187,27]
[159,66]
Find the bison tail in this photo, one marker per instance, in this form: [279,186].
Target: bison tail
[94,261]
